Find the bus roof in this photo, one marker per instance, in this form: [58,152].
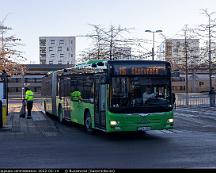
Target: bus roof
[84,68]
[94,63]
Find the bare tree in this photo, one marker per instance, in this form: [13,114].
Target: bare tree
[97,49]
[207,33]
[10,56]
[112,43]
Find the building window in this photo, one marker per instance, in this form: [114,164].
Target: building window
[61,41]
[42,56]
[60,62]
[71,55]
[61,55]
[71,41]
[42,50]
[43,62]
[43,42]
[68,49]
[50,49]
[201,83]
[52,56]
[59,48]
[182,88]
[52,41]
[50,62]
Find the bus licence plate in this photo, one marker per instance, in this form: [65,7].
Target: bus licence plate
[144,128]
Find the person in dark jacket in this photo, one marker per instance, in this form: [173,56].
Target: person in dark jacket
[212,97]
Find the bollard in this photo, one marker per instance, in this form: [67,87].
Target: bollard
[212,100]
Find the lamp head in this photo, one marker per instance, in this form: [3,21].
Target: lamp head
[158,31]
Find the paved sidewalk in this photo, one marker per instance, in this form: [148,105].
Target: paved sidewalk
[39,125]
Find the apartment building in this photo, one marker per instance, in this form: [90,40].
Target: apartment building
[57,50]
[174,51]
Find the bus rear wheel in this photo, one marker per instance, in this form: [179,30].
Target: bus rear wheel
[88,124]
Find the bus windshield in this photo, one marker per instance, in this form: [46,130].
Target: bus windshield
[140,94]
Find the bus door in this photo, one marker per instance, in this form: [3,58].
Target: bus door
[65,89]
[54,92]
[100,105]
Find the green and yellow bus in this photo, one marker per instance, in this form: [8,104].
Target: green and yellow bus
[113,98]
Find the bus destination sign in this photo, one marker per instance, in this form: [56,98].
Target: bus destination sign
[139,70]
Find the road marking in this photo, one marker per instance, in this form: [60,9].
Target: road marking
[168,131]
[185,115]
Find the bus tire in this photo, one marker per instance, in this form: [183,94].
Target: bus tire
[87,122]
[60,114]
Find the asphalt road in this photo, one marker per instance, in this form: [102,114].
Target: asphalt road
[44,143]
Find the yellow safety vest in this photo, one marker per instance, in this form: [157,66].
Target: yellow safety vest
[29,96]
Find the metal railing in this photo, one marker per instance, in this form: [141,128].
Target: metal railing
[194,100]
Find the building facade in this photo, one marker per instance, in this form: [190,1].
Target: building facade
[198,81]
[57,50]
[122,53]
[32,79]
[174,51]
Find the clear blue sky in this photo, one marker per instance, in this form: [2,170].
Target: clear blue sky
[33,18]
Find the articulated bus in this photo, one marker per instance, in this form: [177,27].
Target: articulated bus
[112,97]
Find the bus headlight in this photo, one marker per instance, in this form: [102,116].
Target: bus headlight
[170,120]
[113,123]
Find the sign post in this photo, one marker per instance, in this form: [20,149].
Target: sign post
[3,99]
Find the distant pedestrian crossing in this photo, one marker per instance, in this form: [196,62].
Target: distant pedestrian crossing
[196,119]
[190,120]
[166,132]
[196,112]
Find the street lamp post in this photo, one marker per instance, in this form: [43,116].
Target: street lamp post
[153,32]
[209,54]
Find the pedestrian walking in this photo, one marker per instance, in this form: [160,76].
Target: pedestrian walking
[29,97]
